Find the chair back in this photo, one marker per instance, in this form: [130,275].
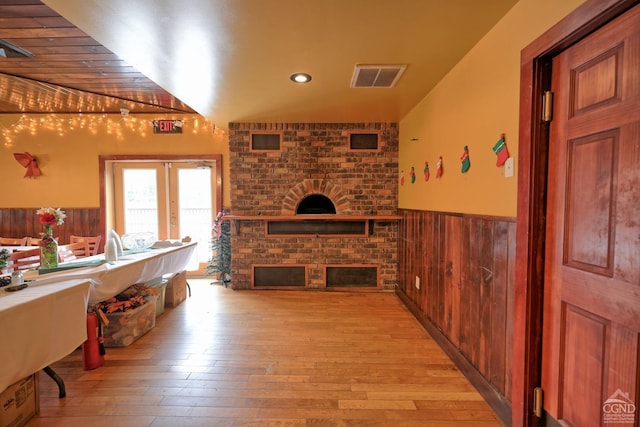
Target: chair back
[34,241]
[93,241]
[13,241]
[24,260]
[73,251]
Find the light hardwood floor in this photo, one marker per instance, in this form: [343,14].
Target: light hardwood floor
[270,358]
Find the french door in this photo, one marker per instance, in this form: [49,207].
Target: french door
[172,199]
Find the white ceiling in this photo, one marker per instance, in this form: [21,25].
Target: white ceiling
[230,60]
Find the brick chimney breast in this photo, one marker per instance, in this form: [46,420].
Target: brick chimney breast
[314,159]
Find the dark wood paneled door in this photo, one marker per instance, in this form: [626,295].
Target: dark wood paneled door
[591,324]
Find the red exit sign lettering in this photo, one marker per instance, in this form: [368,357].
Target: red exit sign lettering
[167,126]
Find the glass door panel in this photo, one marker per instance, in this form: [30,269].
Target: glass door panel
[171,199]
[192,206]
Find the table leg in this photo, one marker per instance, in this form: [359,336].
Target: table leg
[47,370]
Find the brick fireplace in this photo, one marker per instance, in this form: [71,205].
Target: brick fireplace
[285,180]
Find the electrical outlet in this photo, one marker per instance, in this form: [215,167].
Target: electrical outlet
[417,282]
[508,168]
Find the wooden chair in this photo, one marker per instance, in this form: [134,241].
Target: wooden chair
[33,241]
[93,241]
[73,251]
[11,241]
[24,260]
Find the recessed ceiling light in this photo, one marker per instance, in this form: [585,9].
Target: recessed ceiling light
[300,77]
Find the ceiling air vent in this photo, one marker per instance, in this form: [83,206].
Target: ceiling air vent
[377,75]
[9,50]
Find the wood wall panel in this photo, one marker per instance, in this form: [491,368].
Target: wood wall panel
[451,279]
[20,222]
[497,357]
[467,268]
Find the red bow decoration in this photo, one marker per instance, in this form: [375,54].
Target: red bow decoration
[29,162]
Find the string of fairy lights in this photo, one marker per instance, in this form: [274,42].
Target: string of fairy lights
[110,124]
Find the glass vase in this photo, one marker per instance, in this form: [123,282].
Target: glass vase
[48,249]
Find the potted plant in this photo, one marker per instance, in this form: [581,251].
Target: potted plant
[220,261]
[4,258]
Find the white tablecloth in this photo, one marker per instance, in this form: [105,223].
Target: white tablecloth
[108,280]
[47,320]
[39,325]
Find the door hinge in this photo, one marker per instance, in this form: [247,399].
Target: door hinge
[547,106]
[537,401]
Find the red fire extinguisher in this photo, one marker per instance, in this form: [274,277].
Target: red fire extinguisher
[93,347]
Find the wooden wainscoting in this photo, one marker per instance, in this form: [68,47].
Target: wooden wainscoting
[20,222]
[465,265]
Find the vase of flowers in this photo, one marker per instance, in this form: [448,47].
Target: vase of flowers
[49,217]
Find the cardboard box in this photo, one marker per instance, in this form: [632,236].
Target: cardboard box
[127,326]
[176,289]
[19,402]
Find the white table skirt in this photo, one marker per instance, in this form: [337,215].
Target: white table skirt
[39,325]
[108,280]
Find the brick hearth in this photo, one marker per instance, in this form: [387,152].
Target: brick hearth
[314,158]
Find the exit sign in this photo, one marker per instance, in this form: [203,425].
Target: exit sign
[167,126]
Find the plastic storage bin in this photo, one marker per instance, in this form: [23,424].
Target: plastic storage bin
[162,290]
[127,326]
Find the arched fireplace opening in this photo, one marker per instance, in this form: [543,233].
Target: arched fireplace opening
[316,204]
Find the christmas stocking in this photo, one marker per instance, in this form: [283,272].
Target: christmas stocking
[500,148]
[412,174]
[466,163]
[426,171]
[439,168]
[402,178]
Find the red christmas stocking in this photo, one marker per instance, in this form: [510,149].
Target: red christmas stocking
[439,168]
[426,171]
[500,148]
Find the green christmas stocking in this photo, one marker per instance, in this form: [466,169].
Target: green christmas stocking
[466,163]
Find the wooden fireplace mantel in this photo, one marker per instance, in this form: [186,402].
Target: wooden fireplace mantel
[306,217]
[369,219]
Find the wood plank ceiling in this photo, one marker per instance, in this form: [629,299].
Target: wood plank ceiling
[69,71]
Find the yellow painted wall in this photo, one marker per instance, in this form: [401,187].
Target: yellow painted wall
[68,157]
[473,105]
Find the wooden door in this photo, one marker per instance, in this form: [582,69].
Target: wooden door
[591,327]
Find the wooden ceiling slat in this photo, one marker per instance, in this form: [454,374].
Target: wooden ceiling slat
[67,50]
[36,65]
[53,42]
[34,22]
[26,10]
[115,86]
[103,70]
[70,57]
[20,2]
[20,33]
